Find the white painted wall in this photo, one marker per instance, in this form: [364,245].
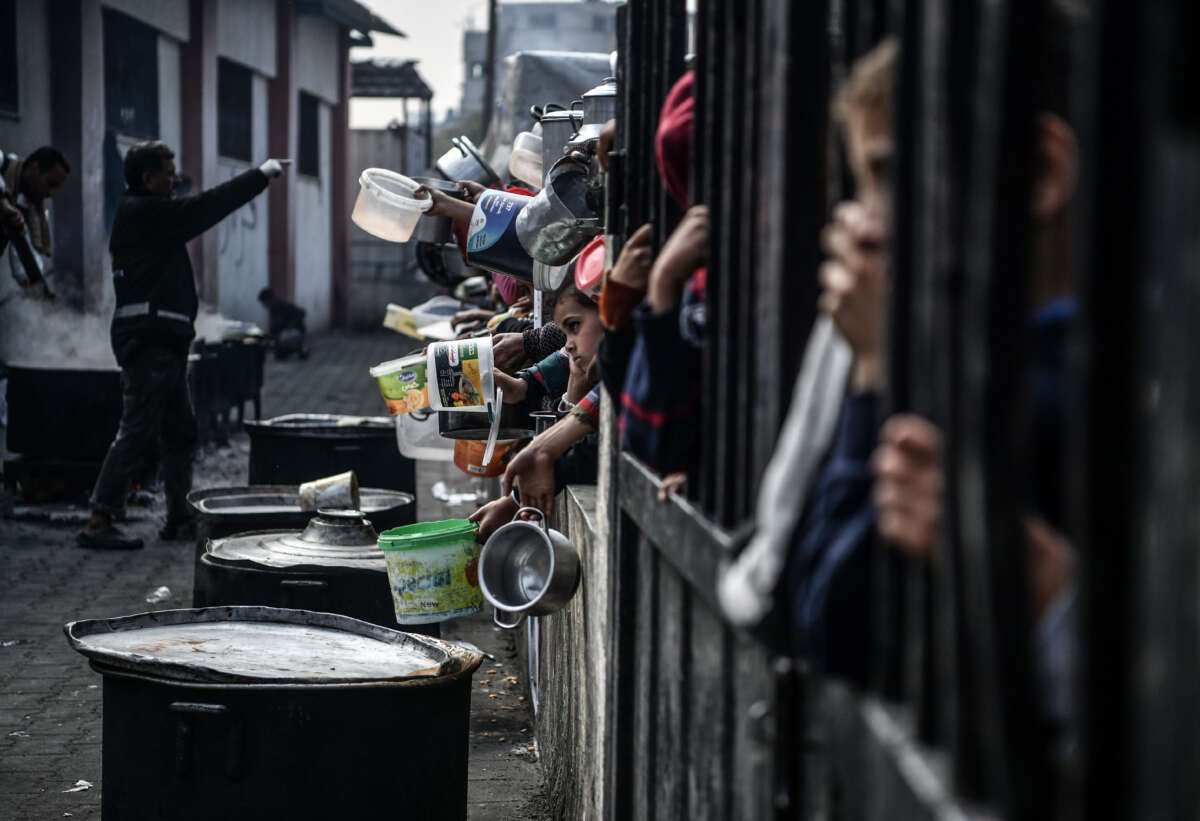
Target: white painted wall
[246,33]
[31,128]
[311,210]
[168,16]
[170,112]
[316,67]
[243,236]
[317,57]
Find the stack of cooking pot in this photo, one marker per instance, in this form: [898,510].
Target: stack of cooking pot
[224,511]
[333,565]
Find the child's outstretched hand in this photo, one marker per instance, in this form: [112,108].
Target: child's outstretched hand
[685,251]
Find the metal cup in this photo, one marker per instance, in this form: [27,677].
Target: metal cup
[337,492]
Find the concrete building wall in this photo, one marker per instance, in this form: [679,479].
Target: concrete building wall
[316,68]
[317,57]
[246,33]
[168,16]
[31,127]
[62,90]
[312,212]
[243,236]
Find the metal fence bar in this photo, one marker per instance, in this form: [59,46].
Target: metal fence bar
[1112,258]
[1164,710]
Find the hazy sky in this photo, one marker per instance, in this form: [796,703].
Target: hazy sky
[434,29]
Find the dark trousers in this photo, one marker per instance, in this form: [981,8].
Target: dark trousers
[154,406]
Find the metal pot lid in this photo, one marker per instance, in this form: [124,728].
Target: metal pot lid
[607,88]
[265,645]
[333,538]
[259,500]
[323,422]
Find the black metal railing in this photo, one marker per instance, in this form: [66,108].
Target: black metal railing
[709,721]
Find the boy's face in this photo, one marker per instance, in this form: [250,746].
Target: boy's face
[583,331]
[870,147]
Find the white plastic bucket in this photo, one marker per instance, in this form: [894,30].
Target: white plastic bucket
[525,161]
[459,375]
[417,437]
[386,207]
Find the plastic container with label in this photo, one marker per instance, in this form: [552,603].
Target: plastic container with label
[459,375]
[402,383]
[433,570]
[492,242]
[386,206]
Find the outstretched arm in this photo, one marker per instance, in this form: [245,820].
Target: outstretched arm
[188,217]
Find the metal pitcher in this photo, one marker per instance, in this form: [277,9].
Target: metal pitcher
[555,225]
[527,569]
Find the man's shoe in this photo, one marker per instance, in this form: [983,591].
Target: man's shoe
[108,539]
[182,530]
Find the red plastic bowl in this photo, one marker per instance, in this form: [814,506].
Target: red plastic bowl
[589,267]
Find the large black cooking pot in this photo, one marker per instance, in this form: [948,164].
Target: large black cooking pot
[300,447]
[254,720]
[333,565]
[62,413]
[514,424]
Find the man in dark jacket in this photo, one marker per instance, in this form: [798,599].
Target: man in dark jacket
[152,330]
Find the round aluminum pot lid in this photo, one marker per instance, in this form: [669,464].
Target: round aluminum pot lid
[263,645]
[333,538]
[323,423]
[258,500]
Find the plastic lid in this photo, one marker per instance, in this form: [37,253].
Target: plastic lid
[394,189]
[589,267]
[393,365]
[427,534]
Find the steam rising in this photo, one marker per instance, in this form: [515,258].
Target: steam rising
[40,334]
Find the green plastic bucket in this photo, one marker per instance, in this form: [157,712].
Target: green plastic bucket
[433,570]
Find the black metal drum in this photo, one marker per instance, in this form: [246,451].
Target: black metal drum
[334,565]
[223,511]
[300,447]
[252,713]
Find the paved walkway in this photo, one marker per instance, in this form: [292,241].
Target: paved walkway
[50,701]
